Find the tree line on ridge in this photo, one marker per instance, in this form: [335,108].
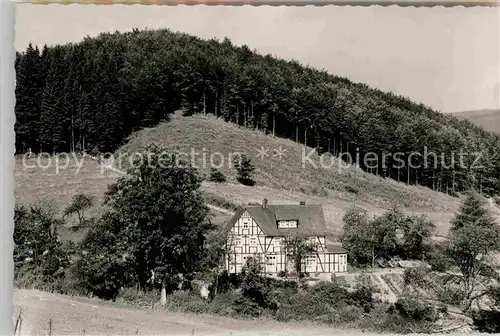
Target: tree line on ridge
[93,94]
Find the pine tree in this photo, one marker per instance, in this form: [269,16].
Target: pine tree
[473,212]
[29,85]
[244,170]
[54,121]
[473,241]
[217,176]
[84,120]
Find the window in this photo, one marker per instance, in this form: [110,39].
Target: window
[237,241]
[277,241]
[310,260]
[287,224]
[253,241]
[245,224]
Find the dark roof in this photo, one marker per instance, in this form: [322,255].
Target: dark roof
[310,217]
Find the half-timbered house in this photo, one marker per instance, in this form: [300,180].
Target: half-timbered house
[259,231]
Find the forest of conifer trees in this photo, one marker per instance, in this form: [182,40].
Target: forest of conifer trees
[90,96]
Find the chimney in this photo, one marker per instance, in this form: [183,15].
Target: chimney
[264,203]
[302,202]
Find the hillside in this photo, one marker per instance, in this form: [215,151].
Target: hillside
[337,186]
[281,181]
[93,94]
[54,187]
[284,180]
[487,118]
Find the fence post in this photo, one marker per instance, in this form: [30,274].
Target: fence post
[17,321]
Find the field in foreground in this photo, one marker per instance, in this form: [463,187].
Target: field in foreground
[78,316]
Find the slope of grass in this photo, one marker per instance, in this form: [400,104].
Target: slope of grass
[284,180]
[216,138]
[336,185]
[54,187]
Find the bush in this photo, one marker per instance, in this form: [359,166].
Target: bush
[303,306]
[452,295]
[437,259]
[223,283]
[363,297]
[383,320]
[330,293]
[186,302]
[99,274]
[339,280]
[326,302]
[247,307]
[40,258]
[486,321]
[256,288]
[217,176]
[246,181]
[139,297]
[352,189]
[345,315]
[413,309]
[222,304]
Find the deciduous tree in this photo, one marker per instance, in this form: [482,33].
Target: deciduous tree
[159,220]
[80,203]
[297,249]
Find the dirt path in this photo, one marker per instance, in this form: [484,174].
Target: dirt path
[79,316]
[219,209]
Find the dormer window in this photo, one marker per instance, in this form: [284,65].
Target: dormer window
[287,224]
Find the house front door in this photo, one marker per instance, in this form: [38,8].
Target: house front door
[271,265]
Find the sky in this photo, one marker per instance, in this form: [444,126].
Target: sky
[447,58]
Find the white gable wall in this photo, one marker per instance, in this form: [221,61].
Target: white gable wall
[245,240]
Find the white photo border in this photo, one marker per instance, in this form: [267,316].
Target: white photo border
[7,117]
